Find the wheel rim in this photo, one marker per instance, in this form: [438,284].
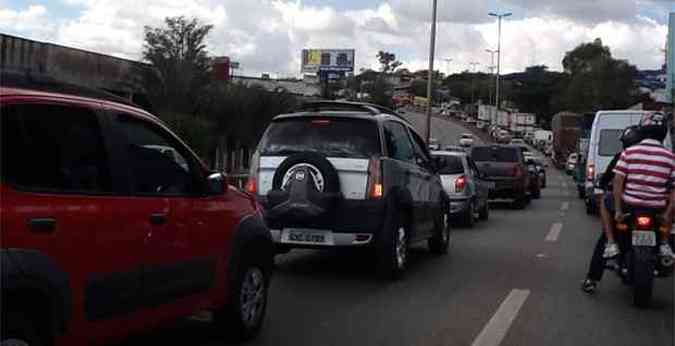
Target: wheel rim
[252,297]
[401,247]
[319,181]
[14,342]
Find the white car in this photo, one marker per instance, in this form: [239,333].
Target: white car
[466,140]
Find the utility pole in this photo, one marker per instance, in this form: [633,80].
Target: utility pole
[432,50]
[499,49]
[473,65]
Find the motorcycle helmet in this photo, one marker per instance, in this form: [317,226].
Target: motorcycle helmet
[631,136]
[653,125]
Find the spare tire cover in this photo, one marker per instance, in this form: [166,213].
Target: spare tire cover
[322,170]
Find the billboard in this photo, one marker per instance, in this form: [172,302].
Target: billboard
[670,58]
[327,60]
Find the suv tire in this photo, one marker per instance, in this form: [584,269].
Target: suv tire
[520,202]
[18,328]
[249,296]
[330,176]
[468,219]
[484,212]
[440,242]
[392,248]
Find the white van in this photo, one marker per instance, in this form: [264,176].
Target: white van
[605,143]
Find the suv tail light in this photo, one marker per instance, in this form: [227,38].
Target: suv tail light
[517,172]
[460,183]
[375,189]
[590,172]
[252,182]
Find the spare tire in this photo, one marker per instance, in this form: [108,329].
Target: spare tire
[329,180]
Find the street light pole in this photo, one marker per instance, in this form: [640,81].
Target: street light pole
[447,66]
[473,65]
[430,76]
[491,68]
[499,50]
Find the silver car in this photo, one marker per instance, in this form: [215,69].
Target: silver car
[465,186]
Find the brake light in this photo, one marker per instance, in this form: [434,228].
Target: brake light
[644,222]
[321,122]
[460,183]
[375,188]
[517,172]
[590,172]
[252,181]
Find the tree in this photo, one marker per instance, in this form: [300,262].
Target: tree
[596,80]
[388,61]
[177,51]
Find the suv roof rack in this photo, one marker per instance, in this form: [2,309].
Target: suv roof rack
[44,83]
[327,105]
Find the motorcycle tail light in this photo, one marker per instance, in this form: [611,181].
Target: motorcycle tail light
[644,222]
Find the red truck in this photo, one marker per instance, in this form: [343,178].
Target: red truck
[566,132]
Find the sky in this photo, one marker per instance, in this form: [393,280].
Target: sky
[267,36]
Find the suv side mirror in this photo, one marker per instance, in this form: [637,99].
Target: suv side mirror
[217,183]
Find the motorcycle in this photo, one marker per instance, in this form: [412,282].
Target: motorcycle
[640,261]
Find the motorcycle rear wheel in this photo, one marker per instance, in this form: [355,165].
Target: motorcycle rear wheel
[643,263]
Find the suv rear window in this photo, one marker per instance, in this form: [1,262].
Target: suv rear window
[499,154]
[331,137]
[451,164]
[610,143]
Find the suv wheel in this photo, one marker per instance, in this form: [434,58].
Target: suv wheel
[245,314]
[484,213]
[440,242]
[468,219]
[18,330]
[393,248]
[520,202]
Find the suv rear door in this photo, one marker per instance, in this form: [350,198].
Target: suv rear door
[348,143]
[62,201]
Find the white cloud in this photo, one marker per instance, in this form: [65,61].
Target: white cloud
[268,35]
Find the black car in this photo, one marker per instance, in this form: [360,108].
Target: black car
[505,166]
[339,174]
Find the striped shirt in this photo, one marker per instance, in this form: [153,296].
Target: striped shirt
[649,169]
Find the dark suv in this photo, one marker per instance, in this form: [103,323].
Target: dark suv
[111,225]
[337,174]
[504,165]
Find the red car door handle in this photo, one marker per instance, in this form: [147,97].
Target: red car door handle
[158,219]
[42,225]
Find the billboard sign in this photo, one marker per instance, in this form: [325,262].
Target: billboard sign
[327,60]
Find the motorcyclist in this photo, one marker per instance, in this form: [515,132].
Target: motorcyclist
[644,175]
[606,247]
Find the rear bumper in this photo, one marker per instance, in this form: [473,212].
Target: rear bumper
[507,189]
[458,206]
[346,220]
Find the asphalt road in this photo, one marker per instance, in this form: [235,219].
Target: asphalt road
[446,132]
[512,281]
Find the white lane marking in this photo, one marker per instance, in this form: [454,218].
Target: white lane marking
[554,232]
[495,330]
[565,206]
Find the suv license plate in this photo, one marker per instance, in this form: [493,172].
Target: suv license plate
[644,238]
[306,236]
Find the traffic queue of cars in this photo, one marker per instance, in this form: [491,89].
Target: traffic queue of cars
[165,237]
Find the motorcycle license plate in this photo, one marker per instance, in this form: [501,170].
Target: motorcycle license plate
[643,238]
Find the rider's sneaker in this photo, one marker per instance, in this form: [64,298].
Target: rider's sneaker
[589,286]
[611,250]
[665,250]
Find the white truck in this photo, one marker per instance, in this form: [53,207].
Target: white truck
[522,123]
[503,119]
[484,115]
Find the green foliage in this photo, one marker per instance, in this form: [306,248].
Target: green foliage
[388,61]
[178,53]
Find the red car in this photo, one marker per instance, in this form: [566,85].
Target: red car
[111,225]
